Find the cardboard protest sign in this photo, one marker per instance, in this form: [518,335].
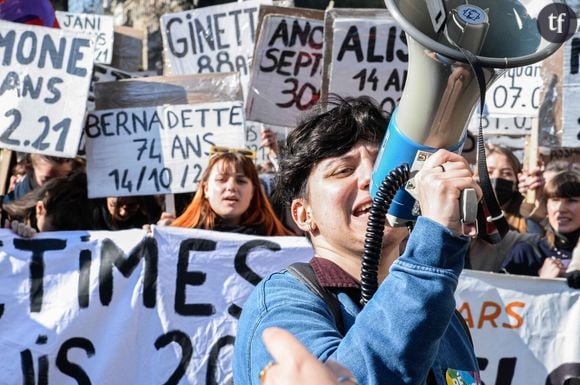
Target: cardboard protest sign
[571,93]
[160,90]
[365,54]
[287,69]
[104,73]
[511,101]
[212,39]
[99,26]
[128,49]
[168,304]
[157,150]
[44,83]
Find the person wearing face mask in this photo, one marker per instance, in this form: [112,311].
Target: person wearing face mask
[550,256]
[485,255]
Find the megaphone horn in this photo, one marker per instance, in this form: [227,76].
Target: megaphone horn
[441,89]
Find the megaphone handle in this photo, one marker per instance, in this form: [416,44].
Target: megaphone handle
[468,211]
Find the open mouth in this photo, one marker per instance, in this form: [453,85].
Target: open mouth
[363,210]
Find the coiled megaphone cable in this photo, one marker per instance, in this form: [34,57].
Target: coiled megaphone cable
[376,229]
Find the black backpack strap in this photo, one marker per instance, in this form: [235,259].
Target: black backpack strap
[465,326]
[304,272]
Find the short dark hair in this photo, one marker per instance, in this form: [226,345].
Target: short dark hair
[565,184]
[331,130]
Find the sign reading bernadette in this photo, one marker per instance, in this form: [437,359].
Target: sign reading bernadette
[129,307]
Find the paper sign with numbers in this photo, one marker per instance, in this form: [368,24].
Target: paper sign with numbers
[287,73]
[367,55]
[99,26]
[157,150]
[212,39]
[44,83]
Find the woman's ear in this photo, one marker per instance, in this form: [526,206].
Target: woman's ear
[301,214]
[40,209]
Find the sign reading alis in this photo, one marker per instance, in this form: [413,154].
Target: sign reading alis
[287,75]
[100,27]
[367,55]
[157,150]
[44,82]
[211,39]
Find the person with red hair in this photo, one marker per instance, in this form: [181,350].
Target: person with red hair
[230,198]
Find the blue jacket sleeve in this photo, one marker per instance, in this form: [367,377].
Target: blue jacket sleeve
[393,340]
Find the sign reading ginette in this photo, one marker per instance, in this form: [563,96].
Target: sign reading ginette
[99,26]
[157,150]
[44,83]
[366,55]
[211,39]
[287,73]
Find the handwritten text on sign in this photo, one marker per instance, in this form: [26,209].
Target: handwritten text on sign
[286,78]
[99,26]
[44,82]
[369,57]
[72,303]
[157,150]
[212,39]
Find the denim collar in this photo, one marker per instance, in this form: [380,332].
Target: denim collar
[330,275]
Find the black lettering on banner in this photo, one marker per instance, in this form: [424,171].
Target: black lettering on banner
[69,368]
[505,371]
[184,342]
[574,55]
[112,255]
[27,365]
[565,374]
[242,268]
[192,278]
[212,364]
[38,247]
[85,259]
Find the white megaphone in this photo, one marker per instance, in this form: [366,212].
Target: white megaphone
[441,89]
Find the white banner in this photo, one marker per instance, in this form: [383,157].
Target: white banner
[157,150]
[131,308]
[219,38]
[99,26]
[44,82]
[287,75]
[369,57]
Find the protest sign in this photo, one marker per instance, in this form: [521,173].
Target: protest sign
[287,70]
[128,49]
[104,73]
[571,91]
[525,330]
[99,26]
[157,150]
[160,90]
[44,83]
[219,38]
[126,307]
[365,54]
[511,101]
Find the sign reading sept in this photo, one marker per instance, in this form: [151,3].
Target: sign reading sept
[287,73]
[44,83]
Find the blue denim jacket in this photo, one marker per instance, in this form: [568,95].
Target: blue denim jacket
[407,328]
